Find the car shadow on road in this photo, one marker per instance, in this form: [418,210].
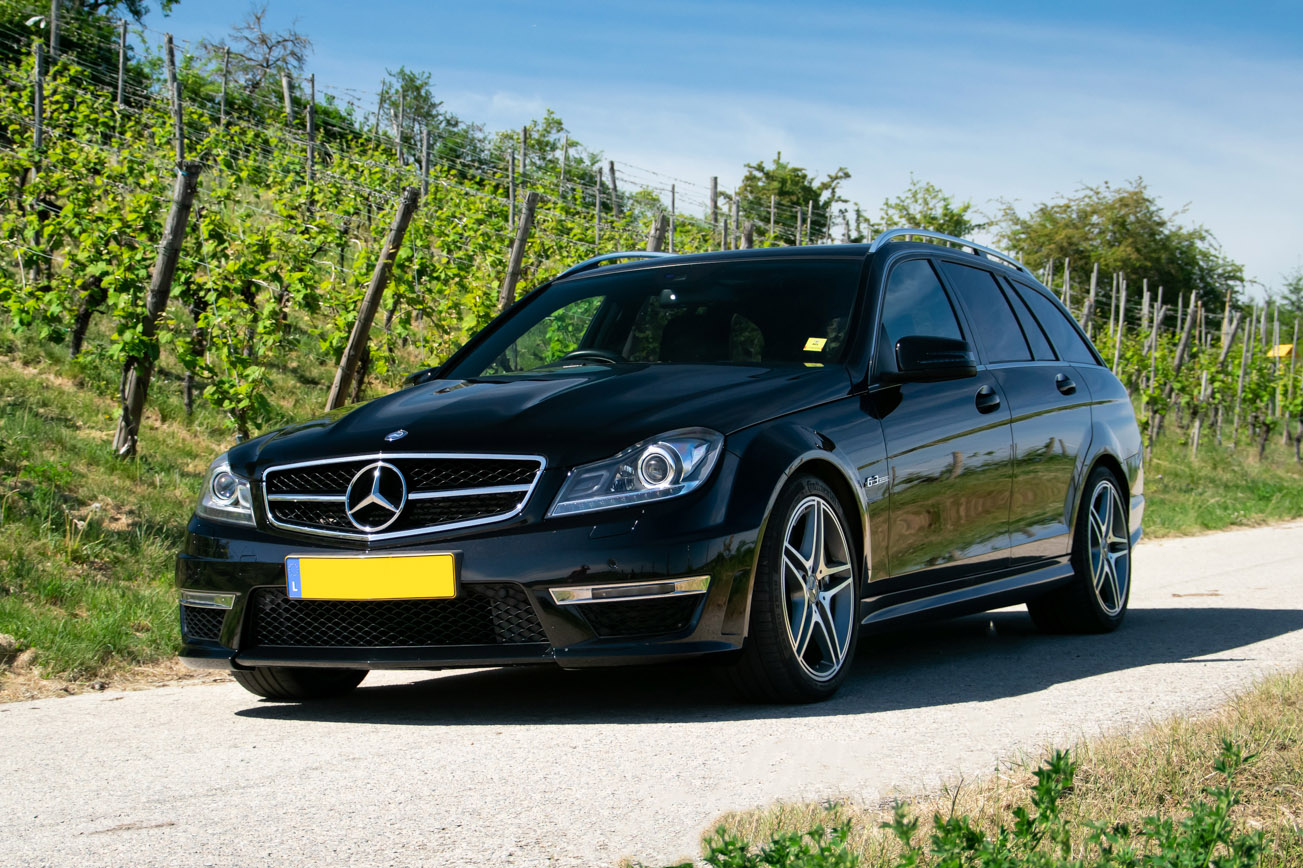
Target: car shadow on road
[974,659]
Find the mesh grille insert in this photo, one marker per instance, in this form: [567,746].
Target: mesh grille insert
[498,614]
[202,622]
[642,617]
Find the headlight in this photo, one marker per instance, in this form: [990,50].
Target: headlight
[225,496]
[655,469]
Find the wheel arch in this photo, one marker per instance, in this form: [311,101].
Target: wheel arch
[1110,462]
[803,451]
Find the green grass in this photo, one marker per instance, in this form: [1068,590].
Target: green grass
[87,542]
[1221,488]
[1165,769]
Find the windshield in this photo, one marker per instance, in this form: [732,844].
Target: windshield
[752,312]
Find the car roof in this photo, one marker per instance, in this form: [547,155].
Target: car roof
[810,251]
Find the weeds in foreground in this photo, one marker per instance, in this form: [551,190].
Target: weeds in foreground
[1039,836]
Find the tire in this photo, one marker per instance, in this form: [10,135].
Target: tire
[806,596]
[1095,601]
[297,684]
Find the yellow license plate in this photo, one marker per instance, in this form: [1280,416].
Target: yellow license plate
[371,577]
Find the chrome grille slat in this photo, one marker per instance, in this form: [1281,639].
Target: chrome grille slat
[446,491]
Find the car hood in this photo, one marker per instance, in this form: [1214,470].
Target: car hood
[569,416]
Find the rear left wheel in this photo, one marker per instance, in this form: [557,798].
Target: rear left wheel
[804,608]
[298,683]
[1096,599]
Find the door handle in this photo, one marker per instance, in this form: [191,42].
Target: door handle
[1064,384]
[987,400]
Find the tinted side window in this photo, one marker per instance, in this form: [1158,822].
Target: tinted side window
[1067,340]
[994,325]
[914,304]
[1031,329]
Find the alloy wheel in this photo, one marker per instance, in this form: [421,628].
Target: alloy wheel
[818,588]
[1110,548]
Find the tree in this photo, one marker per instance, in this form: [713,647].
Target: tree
[1290,300]
[114,8]
[924,205]
[1125,230]
[87,31]
[257,53]
[791,188]
[451,139]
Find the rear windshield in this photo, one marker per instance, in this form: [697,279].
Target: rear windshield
[758,312]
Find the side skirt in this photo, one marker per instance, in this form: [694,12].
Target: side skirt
[994,594]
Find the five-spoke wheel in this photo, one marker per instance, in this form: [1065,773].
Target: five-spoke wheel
[819,587]
[1096,599]
[804,606]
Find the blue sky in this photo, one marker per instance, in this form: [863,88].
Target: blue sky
[1002,100]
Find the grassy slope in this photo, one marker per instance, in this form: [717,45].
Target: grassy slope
[1224,487]
[1160,769]
[89,587]
[87,542]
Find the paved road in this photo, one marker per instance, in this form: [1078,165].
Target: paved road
[523,768]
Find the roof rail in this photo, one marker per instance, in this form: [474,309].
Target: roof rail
[977,249]
[595,261]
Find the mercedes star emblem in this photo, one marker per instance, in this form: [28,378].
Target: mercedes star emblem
[395,435]
[375,497]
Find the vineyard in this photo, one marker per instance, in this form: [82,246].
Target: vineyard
[288,218]
[181,247]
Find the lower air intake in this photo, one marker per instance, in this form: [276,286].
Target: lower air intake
[202,622]
[642,617]
[498,614]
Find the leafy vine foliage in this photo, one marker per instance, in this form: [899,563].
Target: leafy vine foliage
[275,261]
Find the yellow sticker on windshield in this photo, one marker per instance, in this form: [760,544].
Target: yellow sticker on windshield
[813,345]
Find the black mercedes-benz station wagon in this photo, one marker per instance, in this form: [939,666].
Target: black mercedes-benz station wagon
[742,457]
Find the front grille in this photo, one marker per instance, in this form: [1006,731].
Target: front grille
[202,622]
[642,617]
[498,614]
[442,491]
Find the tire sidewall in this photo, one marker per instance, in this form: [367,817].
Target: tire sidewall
[770,592]
[1081,550]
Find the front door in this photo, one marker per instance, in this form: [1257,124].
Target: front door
[948,446]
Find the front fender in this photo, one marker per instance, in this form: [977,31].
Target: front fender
[769,456]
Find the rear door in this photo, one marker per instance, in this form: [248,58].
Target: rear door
[948,446]
[1049,417]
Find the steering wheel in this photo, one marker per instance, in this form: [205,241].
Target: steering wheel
[593,354]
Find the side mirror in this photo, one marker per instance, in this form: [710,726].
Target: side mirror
[927,359]
[418,377]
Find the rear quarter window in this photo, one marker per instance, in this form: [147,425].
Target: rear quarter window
[1063,333]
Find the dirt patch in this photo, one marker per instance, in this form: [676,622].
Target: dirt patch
[21,685]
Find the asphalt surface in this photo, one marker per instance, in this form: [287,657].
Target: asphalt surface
[535,768]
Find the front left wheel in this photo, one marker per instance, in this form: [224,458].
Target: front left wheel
[295,684]
[804,607]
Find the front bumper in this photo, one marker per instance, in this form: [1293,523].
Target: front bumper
[506,576]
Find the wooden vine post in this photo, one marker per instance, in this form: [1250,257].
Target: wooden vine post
[357,340]
[714,203]
[288,96]
[226,74]
[597,212]
[138,370]
[174,91]
[673,207]
[656,237]
[54,29]
[615,192]
[38,98]
[122,56]
[507,294]
[312,123]
[425,162]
